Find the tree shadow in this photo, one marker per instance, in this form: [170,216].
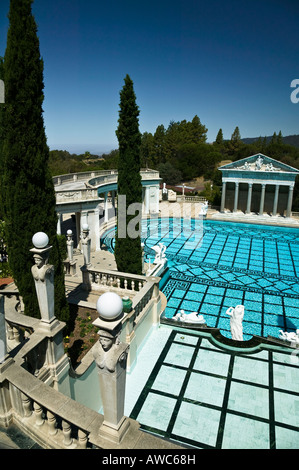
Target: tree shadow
[75,350]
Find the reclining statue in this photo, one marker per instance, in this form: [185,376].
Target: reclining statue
[292,337]
[192,317]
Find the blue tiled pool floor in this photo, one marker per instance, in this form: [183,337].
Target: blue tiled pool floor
[229,264]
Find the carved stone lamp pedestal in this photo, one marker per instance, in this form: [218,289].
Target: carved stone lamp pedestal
[70,263]
[43,274]
[111,359]
[85,244]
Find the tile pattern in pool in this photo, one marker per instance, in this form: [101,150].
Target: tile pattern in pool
[205,397]
[229,264]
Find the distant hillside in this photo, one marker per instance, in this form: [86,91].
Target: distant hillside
[289,140]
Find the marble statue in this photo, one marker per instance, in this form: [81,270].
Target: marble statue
[246,166]
[258,163]
[236,319]
[192,317]
[86,243]
[292,337]
[160,253]
[43,275]
[110,352]
[70,245]
[204,208]
[41,268]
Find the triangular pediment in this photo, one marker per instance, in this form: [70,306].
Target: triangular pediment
[259,162]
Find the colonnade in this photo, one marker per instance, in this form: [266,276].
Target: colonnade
[262,196]
[101,209]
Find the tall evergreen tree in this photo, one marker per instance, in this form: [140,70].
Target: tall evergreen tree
[27,191]
[219,137]
[128,253]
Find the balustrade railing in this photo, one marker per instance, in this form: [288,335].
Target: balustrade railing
[113,279]
[53,420]
[139,288]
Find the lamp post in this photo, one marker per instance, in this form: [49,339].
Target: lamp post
[43,274]
[111,359]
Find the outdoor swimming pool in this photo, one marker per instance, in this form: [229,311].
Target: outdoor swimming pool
[217,265]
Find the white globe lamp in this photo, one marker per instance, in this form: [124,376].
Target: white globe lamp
[109,306]
[40,240]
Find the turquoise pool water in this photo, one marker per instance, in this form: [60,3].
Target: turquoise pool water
[217,265]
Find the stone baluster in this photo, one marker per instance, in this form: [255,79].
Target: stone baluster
[67,431]
[38,412]
[27,405]
[52,423]
[82,439]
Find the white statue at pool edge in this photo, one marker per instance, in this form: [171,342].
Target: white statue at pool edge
[192,317]
[236,319]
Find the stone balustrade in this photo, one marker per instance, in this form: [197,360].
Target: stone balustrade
[101,279]
[139,288]
[49,417]
[52,419]
[56,421]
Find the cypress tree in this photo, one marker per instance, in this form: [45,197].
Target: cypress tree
[27,190]
[128,252]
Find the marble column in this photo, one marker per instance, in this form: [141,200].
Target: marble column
[236,197]
[59,221]
[106,215]
[262,201]
[290,201]
[147,199]
[223,196]
[248,208]
[274,212]
[78,228]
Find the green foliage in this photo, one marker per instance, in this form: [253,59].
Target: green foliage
[5,270]
[62,162]
[128,254]
[169,174]
[27,191]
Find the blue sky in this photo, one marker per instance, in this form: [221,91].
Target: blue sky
[231,63]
